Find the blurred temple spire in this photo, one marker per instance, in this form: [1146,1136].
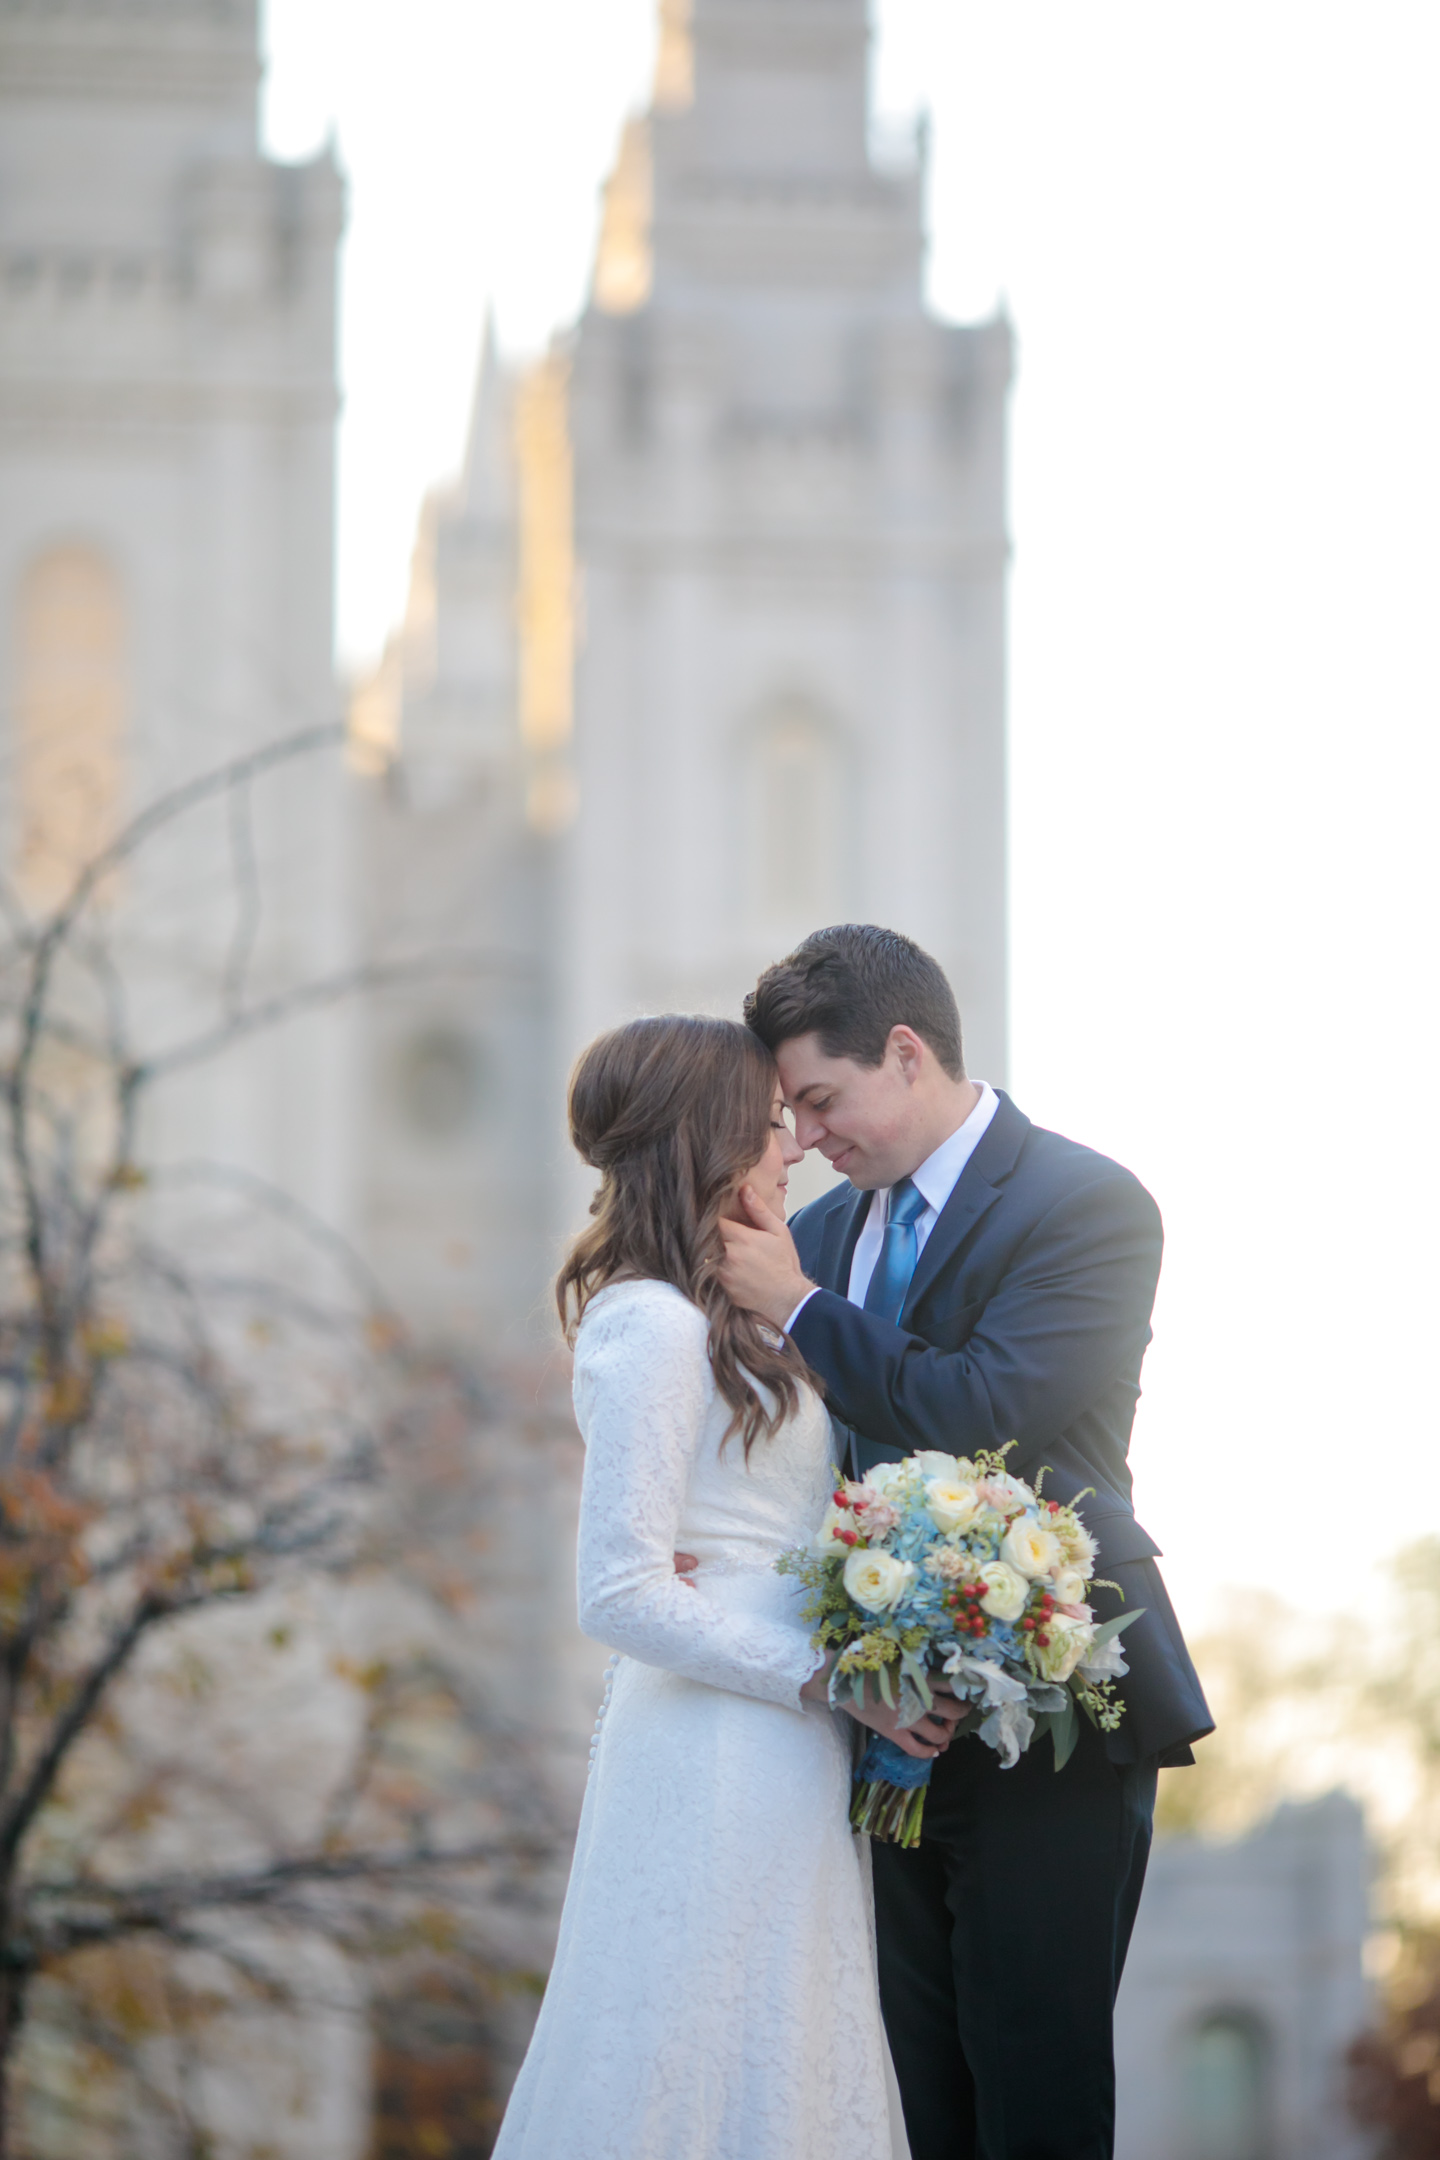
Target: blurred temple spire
[756,152]
[487,484]
[791,73]
[789,485]
[675,61]
[724,571]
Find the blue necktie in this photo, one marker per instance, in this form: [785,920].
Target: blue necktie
[898,1251]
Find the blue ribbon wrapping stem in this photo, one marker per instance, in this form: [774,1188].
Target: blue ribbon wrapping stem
[885,1764]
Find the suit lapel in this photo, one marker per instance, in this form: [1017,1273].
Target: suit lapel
[837,1246]
[976,1190]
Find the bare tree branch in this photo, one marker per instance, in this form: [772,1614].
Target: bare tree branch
[61,1919]
[18,1816]
[284,1207]
[308,997]
[53,936]
[248,909]
[189,1419]
[239,773]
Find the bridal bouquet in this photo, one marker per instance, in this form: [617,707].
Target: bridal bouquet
[940,1564]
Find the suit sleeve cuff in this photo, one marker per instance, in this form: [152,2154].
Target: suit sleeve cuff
[790,1323]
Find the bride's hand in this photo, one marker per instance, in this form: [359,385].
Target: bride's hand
[685,1566]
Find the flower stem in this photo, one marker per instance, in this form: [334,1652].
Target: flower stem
[891,1813]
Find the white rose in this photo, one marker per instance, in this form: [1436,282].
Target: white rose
[877,1580]
[1070,1587]
[885,1477]
[952,1505]
[932,1463]
[1006,1592]
[834,1520]
[1031,1549]
[1069,1642]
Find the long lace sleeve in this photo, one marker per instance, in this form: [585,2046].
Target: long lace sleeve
[642,1389]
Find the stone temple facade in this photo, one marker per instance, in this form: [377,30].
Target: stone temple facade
[790,533]
[167,418]
[1244,1987]
[712,624]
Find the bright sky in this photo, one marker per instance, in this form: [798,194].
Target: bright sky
[1215,229]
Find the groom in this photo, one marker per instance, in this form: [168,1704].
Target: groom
[978,1281]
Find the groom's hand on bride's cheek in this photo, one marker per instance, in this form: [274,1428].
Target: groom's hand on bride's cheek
[762,1270]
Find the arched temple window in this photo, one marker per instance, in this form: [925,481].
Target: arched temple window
[1226,2088]
[70,714]
[798,819]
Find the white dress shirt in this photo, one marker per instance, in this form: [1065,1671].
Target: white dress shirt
[936,1179]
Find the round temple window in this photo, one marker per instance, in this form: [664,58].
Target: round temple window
[440,1083]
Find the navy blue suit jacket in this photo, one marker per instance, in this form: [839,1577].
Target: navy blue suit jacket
[1026,1319]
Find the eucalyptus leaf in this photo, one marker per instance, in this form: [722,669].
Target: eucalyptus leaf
[1112,1628]
[1064,1731]
[914,1671]
[911,1707]
[887,1687]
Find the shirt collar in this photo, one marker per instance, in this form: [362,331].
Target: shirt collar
[939,1174]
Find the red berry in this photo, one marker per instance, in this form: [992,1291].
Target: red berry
[1043,1640]
[1027,1622]
[847,1537]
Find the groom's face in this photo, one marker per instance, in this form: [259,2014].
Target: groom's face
[862,1118]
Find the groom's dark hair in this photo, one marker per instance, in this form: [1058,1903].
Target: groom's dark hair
[850,985]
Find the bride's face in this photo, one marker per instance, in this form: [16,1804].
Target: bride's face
[771,1175]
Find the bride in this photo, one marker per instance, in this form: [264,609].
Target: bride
[713,1994]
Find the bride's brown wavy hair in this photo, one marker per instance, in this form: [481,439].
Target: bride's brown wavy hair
[673,1112]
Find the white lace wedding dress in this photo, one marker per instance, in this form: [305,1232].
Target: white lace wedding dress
[713,1995]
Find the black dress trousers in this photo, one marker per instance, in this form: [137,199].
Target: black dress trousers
[1002,1937]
